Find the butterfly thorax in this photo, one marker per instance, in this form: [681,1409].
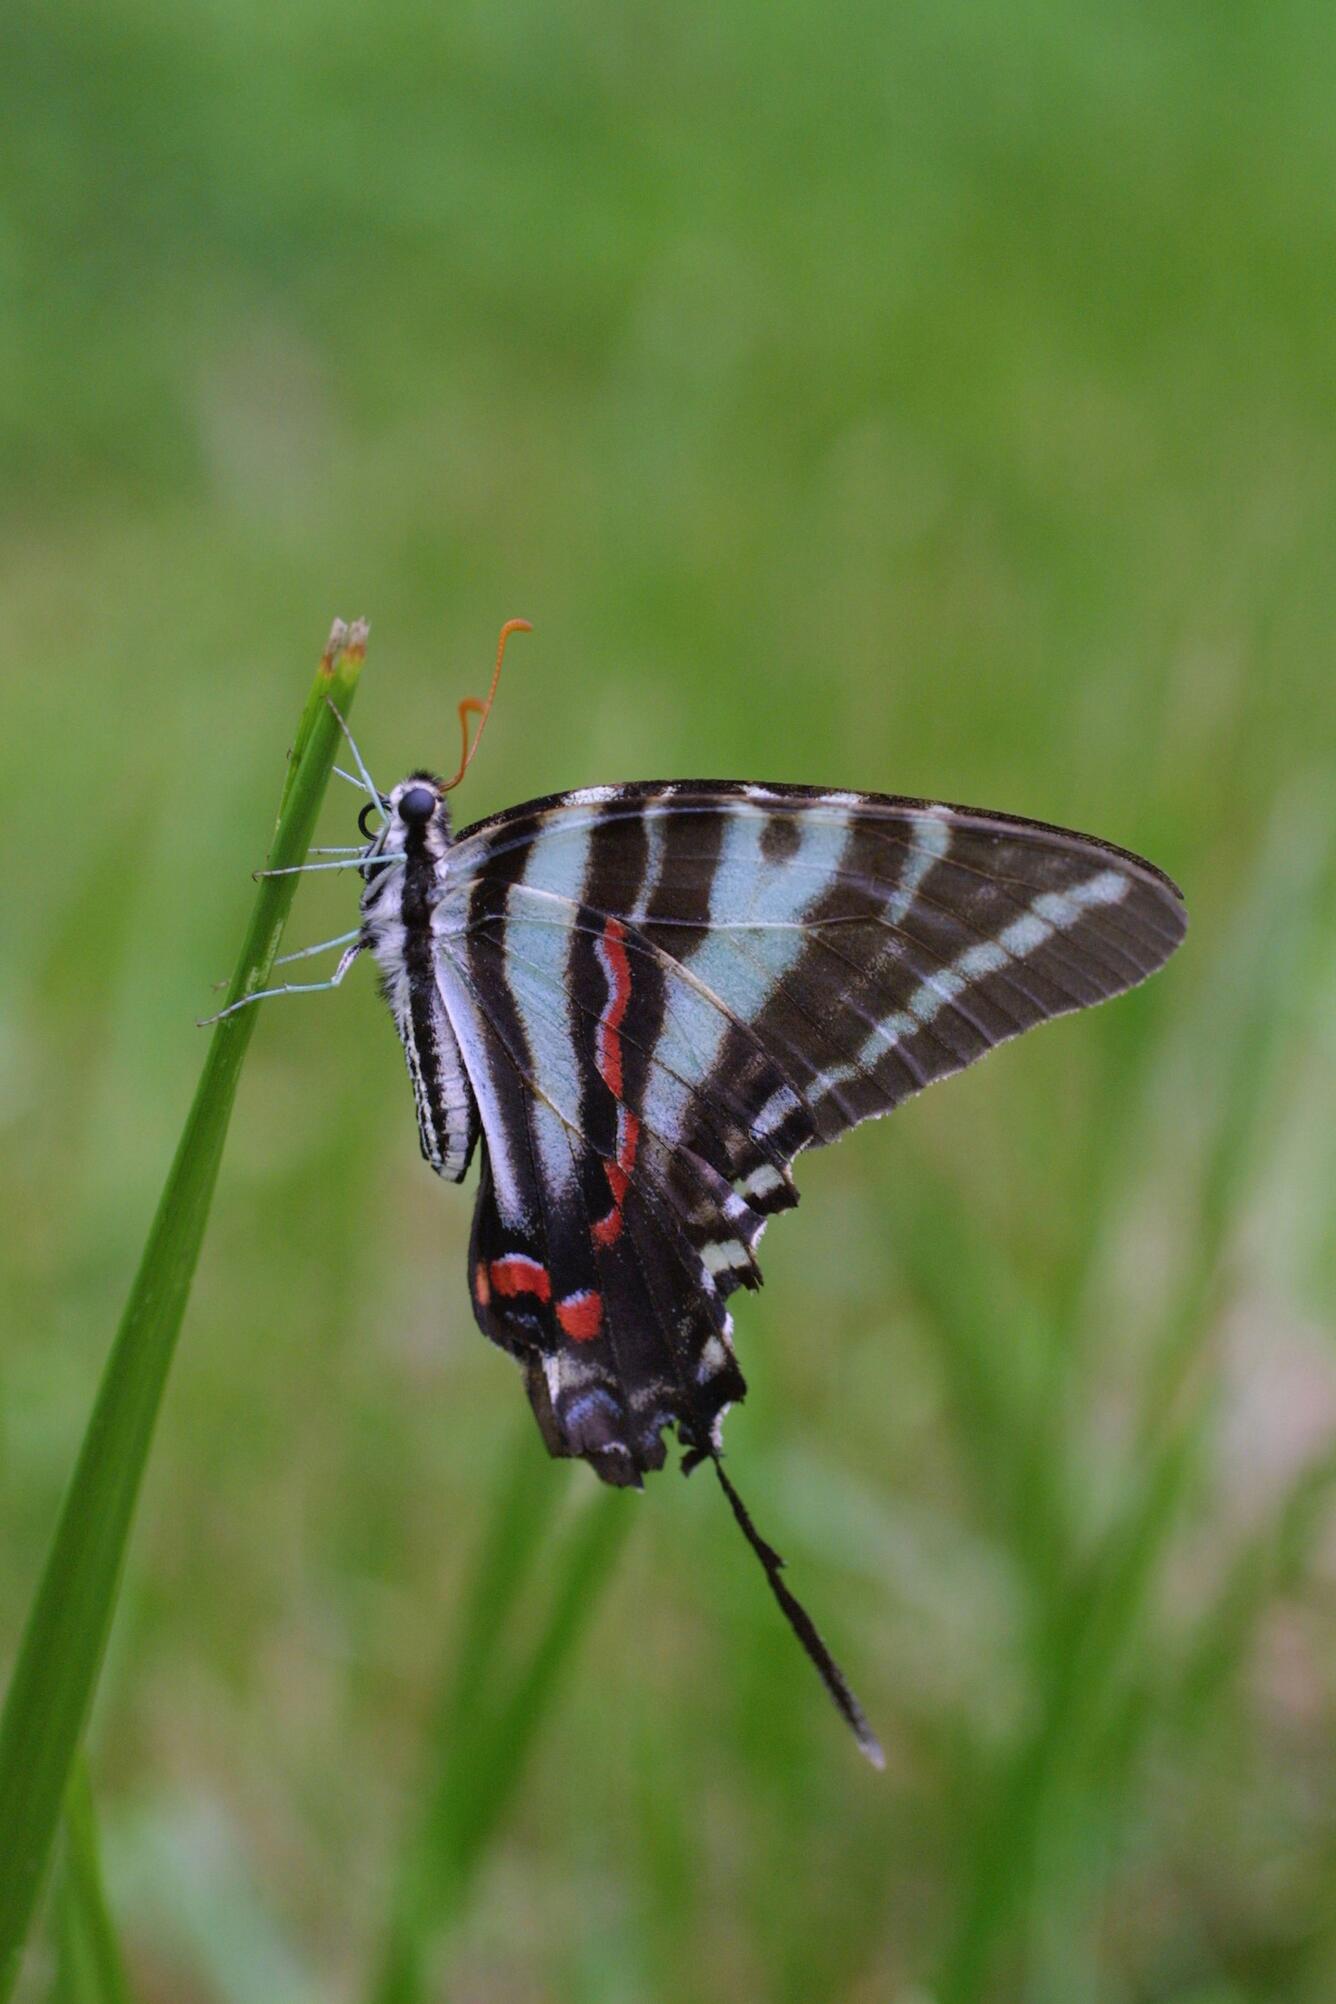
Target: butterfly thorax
[405,869]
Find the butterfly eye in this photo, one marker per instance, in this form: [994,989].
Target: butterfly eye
[418,804]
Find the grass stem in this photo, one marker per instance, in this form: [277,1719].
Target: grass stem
[61,1653]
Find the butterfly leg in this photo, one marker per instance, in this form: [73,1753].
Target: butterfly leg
[346,863]
[291,987]
[303,953]
[324,946]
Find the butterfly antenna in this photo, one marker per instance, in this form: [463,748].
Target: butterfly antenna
[800,1621]
[472,707]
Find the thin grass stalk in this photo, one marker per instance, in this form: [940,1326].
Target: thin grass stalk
[519,1519]
[1271,1565]
[526,1503]
[92,1968]
[479,1765]
[490,1772]
[65,1639]
[1083,1683]
[1094,1628]
[1254,1020]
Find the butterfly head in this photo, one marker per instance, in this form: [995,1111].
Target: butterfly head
[416,818]
[418,802]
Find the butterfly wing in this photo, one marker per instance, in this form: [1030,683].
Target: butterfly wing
[663,993]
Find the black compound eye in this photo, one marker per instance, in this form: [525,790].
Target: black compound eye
[417,804]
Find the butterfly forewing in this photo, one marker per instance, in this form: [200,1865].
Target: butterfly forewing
[860,946]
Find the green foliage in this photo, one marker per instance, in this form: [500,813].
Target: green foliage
[931,399]
[61,1653]
[492,1709]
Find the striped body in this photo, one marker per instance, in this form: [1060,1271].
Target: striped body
[397,907]
[649,999]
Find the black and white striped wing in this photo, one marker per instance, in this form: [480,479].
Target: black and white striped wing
[664,992]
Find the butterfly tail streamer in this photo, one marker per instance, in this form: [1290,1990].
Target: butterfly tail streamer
[800,1621]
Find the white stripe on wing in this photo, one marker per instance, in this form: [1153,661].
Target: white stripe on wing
[558,868]
[756,936]
[1051,912]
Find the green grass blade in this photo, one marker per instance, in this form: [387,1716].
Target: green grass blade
[490,1768]
[92,1969]
[481,1756]
[61,1653]
[1106,1614]
[1270,1565]
[520,1518]
[1069,1771]
[1254,1014]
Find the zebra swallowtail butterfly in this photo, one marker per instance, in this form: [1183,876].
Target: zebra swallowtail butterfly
[640,1003]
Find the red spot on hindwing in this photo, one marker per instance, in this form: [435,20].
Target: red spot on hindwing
[516,1273]
[607,1230]
[482,1286]
[581,1315]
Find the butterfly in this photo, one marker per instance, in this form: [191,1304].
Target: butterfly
[638,1004]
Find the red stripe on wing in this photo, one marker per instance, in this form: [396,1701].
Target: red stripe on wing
[616,965]
[607,1230]
[617,968]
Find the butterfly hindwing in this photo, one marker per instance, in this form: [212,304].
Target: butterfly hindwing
[585,1266]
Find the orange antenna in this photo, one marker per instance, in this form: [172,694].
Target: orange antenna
[472,707]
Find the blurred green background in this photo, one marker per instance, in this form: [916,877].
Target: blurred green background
[938,399]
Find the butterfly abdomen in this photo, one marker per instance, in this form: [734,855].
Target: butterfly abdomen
[397,912]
